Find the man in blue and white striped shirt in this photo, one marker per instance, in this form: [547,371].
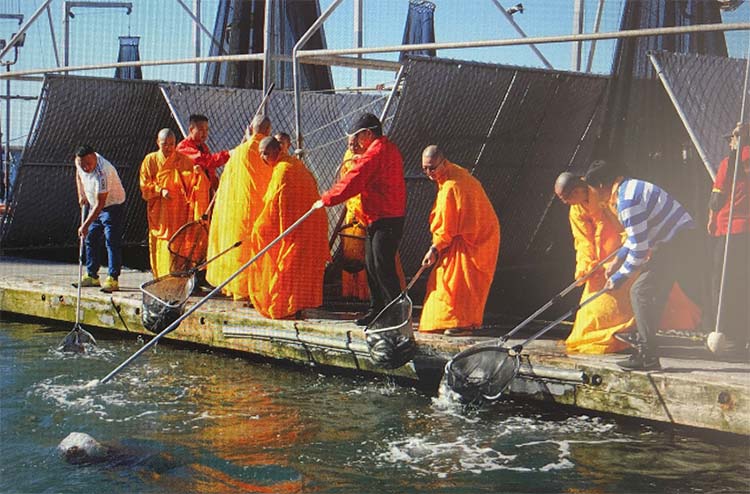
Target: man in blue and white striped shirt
[655,225]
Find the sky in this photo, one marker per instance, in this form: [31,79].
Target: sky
[165,32]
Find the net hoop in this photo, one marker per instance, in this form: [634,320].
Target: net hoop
[163,300]
[482,371]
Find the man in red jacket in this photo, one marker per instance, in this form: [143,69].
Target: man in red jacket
[378,175]
[194,147]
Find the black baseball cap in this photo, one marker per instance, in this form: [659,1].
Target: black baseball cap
[366,121]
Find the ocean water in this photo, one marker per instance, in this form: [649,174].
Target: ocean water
[185,420]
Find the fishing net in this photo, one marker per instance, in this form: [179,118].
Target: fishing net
[482,371]
[164,300]
[189,246]
[390,336]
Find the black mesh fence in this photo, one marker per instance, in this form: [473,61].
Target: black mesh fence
[516,129]
[119,119]
[707,92]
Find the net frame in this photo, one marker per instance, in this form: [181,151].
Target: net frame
[499,366]
[197,242]
[159,311]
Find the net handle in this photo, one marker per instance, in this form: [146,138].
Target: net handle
[517,348]
[558,297]
[317,205]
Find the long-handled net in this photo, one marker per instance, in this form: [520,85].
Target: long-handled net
[189,244]
[171,327]
[75,340]
[485,370]
[390,336]
[163,299]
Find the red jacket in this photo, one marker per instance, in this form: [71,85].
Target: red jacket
[723,184]
[201,156]
[378,175]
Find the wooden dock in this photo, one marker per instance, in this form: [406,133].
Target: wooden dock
[694,389]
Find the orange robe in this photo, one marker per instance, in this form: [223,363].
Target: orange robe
[239,200]
[188,198]
[353,284]
[466,232]
[289,277]
[597,233]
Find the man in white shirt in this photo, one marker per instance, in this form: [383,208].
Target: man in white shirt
[101,193]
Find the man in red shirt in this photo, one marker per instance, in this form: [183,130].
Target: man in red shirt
[735,315]
[378,175]
[194,147]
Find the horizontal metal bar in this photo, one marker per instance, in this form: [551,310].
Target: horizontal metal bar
[554,373]
[139,63]
[364,63]
[634,33]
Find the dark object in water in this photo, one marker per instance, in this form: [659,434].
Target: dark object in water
[391,349]
[75,340]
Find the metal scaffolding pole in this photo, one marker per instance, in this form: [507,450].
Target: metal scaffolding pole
[19,35]
[295,67]
[520,31]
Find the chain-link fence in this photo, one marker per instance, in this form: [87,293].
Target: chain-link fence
[707,92]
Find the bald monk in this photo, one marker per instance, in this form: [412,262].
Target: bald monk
[176,193]
[596,234]
[465,244]
[239,200]
[289,277]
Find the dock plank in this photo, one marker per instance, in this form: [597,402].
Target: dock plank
[693,389]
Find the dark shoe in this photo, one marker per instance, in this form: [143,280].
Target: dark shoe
[640,361]
[367,318]
[629,338]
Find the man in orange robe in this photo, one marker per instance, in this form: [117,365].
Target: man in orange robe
[239,200]
[596,234]
[176,193]
[465,245]
[289,277]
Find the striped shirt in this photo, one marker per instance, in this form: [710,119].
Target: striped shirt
[650,217]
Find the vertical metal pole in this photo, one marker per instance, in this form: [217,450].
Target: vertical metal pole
[66,34]
[358,34]
[597,24]
[52,34]
[577,29]
[296,70]
[197,38]
[267,45]
[6,170]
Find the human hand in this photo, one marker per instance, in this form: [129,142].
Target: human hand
[711,226]
[165,193]
[83,230]
[83,202]
[430,257]
[318,204]
[609,285]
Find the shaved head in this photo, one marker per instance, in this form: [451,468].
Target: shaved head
[164,134]
[269,144]
[261,124]
[432,151]
[566,182]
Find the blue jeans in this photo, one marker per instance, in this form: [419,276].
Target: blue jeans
[107,229]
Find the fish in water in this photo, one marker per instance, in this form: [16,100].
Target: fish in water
[75,340]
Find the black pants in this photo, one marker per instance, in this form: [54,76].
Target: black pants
[650,291]
[735,315]
[381,246]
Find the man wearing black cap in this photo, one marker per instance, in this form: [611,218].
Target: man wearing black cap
[378,175]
